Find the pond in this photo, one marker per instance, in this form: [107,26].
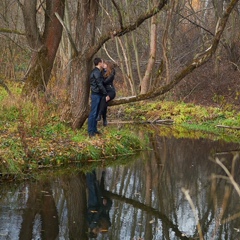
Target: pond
[174,190]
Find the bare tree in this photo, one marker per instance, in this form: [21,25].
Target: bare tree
[146,83]
[43,41]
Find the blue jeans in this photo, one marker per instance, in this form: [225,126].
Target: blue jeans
[92,122]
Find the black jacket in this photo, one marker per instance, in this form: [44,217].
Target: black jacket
[96,82]
[108,82]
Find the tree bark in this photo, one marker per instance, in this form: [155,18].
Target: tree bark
[80,91]
[44,46]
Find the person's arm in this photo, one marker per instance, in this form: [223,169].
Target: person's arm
[99,80]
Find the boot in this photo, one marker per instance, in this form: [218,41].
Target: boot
[105,122]
[98,117]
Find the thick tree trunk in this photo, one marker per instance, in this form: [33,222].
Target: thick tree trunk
[80,91]
[44,47]
[38,75]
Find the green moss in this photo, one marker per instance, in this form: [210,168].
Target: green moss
[190,116]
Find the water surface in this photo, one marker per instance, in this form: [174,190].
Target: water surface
[146,197]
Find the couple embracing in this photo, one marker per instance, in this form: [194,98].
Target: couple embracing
[102,91]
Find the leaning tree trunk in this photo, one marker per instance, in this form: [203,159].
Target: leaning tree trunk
[80,91]
[44,46]
[82,63]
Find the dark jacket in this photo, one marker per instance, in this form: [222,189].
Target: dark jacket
[96,82]
[108,82]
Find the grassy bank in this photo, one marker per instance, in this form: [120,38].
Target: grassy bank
[33,137]
[223,122]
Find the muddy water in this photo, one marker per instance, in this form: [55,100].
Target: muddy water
[175,190]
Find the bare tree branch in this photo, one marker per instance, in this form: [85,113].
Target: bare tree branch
[5,30]
[68,34]
[230,176]
[196,24]
[126,29]
[119,14]
[199,228]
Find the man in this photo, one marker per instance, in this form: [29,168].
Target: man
[97,92]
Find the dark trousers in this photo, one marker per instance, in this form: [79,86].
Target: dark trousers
[103,105]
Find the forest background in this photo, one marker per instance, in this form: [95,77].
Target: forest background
[179,50]
[166,53]
[149,52]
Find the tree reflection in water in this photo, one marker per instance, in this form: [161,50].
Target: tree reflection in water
[146,195]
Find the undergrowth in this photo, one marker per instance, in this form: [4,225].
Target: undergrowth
[33,137]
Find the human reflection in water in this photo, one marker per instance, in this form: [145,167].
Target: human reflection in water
[98,206]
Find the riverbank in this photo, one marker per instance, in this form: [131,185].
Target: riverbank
[224,123]
[34,137]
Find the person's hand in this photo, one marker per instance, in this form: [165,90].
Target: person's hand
[107,98]
[104,201]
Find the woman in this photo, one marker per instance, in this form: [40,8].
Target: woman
[109,75]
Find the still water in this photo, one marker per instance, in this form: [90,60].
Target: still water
[174,190]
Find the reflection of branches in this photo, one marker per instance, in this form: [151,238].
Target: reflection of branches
[230,178]
[150,210]
[186,192]
[40,201]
